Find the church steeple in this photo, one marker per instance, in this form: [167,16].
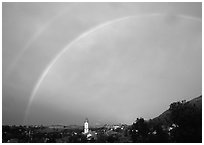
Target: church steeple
[86,125]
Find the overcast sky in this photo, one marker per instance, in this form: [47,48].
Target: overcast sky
[110,62]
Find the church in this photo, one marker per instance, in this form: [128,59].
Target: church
[89,134]
[86,126]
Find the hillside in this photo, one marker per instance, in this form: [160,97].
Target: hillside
[164,118]
[197,102]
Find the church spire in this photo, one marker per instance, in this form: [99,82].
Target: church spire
[86,126]
[86,120]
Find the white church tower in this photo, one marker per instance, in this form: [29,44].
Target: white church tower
[86,126]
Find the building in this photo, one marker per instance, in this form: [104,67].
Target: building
[86,126]
[90,135]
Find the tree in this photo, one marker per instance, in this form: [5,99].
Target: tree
[101,138]
[158,135]
[139,131]
[188,122]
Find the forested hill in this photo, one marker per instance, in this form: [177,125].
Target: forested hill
[165,117]
[197,102]
[181,123]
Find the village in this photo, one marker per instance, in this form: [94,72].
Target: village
[182,122]
[61,133]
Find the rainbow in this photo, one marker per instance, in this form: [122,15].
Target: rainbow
[85,34]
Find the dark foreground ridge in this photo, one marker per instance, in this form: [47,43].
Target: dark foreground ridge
[182,122]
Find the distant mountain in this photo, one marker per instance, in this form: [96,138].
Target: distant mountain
[164,118]
[65,127]
[74,127]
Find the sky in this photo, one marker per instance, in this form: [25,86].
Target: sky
[110,62]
